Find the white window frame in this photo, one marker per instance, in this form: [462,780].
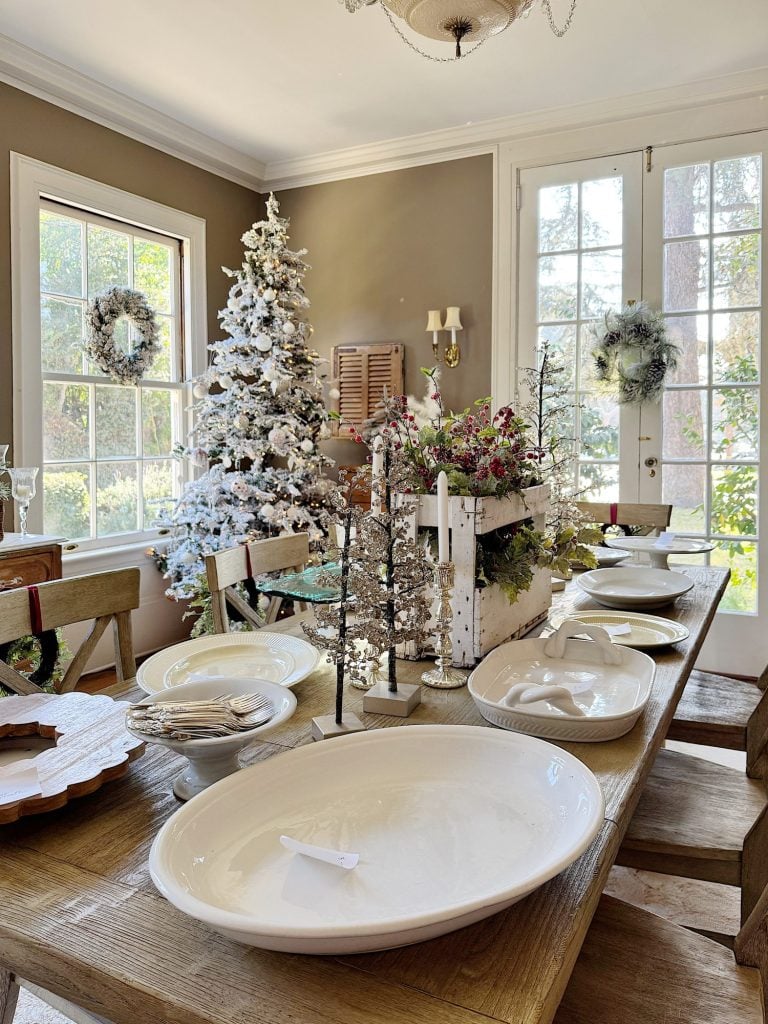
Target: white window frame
[32,182]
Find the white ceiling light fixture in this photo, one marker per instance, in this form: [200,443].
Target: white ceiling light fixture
[457,20]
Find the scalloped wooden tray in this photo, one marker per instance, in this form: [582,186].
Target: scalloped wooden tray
[92,746]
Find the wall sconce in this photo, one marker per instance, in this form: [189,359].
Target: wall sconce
[453,324]
[435,324]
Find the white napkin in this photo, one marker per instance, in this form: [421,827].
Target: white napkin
[19,782]
[620,629]
[665,539]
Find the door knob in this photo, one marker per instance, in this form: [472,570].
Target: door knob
[651,463]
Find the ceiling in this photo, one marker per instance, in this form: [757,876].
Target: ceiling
[281,79]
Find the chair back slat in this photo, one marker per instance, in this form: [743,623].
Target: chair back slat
[751,944]
[64,602]
[626,513]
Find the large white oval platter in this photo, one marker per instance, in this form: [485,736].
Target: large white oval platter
[646,631]
[276,657]
[635,586]
[452,823]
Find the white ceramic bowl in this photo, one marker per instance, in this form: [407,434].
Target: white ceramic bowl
[214,759]
[635,586]
[604,701]
[452,824]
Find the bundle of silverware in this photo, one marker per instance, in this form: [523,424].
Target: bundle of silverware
[201,719]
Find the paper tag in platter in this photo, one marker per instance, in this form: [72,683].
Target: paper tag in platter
[620,629]
[665,539]
[19,783]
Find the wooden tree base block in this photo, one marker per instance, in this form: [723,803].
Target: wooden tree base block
[379,700]
[325,727]
[92,746]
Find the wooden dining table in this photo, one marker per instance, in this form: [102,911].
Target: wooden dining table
[80,917]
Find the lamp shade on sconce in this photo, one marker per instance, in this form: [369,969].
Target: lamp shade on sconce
[434,320]
[453,319]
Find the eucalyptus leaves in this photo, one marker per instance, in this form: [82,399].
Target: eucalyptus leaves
[635,354]
[103,314]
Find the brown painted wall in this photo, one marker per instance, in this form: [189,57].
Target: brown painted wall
[49,133]
[388,247]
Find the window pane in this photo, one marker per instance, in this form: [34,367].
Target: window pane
[689,333]
[686,200]
[66,501]
[736,271]
[562,350]
[121,335]
[588,335]
[735,423]
[734,500]
[161,368]
[736,339]
[558,218]
[157,421]
[737,194]
[61,254]
[683,487]
[601,282]
[685,424]
[115,422]
[108,263]
[600,427]
[117,498]
[558,277]
[598,482]
[65,422]
[159,491]
[601,212]
[741,558]
[686,276]
[61,336]
[152,273]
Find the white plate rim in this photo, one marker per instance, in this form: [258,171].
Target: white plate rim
[637,544]
[233,921]
[680,631]
[163,661]
[666,594]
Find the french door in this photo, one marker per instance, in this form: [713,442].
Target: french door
[691,245]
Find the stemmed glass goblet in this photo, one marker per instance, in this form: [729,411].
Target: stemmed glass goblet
[23,490]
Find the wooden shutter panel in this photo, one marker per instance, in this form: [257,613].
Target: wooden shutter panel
[364,373]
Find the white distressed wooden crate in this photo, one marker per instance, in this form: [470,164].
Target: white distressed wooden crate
[483,617]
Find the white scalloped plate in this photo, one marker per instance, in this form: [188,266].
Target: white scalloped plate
[276,657]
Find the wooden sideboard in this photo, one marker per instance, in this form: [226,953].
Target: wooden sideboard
[28,560]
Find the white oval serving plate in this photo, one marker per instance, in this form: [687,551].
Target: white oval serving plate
[276,657]
[452,823]
[603,700]
[634,586]
[647,632]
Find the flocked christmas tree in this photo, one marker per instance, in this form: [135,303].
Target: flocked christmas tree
[259,415]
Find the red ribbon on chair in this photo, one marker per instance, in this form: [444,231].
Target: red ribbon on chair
[614,508]
[35,615]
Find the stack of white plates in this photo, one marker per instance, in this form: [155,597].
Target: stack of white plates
[635,587]
[276,657]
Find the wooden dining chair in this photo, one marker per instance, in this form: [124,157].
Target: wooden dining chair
[242,565]
[636,968]
[626,514]
[104,597]
[701,820]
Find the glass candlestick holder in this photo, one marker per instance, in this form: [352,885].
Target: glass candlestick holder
[23,490]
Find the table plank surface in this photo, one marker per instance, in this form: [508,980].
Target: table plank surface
[81,917]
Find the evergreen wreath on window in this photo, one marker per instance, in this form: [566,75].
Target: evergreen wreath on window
[103,314]
[634,354]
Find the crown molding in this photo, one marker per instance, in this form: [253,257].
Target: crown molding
[49,80]
[485,136]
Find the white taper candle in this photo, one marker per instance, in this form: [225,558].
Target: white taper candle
[443,534]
